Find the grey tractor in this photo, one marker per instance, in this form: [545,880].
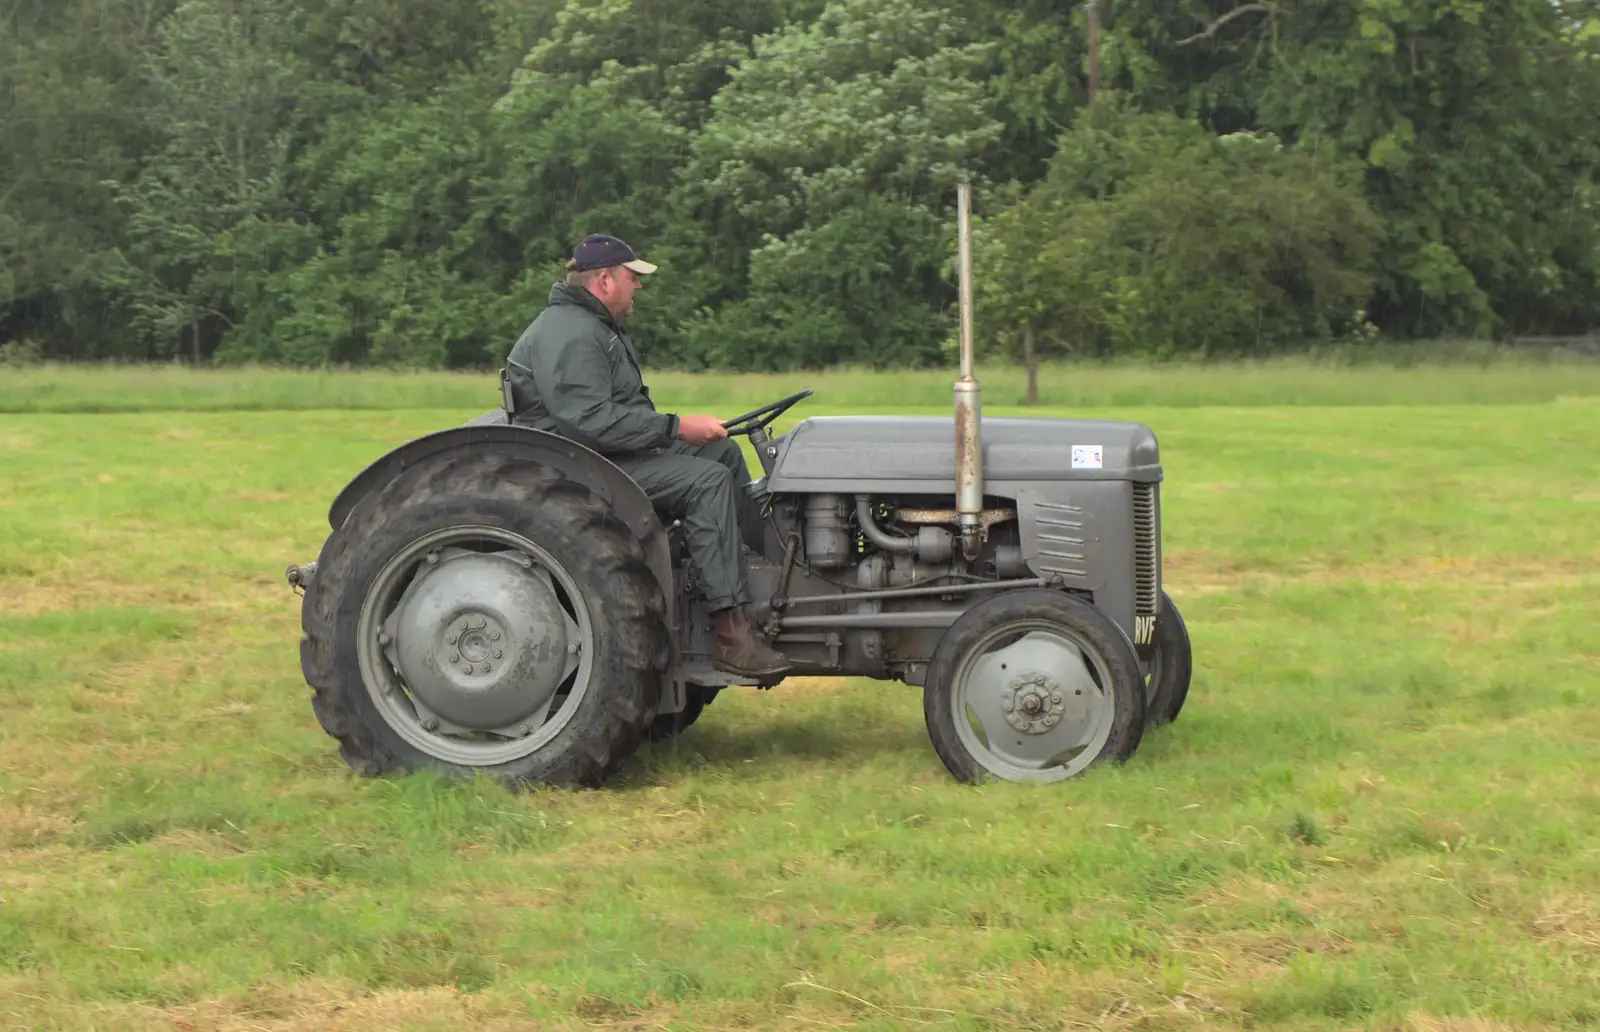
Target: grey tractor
[499,599]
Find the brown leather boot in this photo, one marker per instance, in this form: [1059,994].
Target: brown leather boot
[739,651]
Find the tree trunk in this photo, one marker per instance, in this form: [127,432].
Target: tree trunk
[194,328]
[1030,360]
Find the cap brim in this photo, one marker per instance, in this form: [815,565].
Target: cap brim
[640,266]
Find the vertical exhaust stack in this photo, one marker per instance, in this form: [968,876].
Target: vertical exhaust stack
[969,402]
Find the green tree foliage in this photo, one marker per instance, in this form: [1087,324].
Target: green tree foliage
[824,164]
[184,257]
[392,45]
[57,220]
[1476,122]
[674,55]
[1151,235]
[381,181]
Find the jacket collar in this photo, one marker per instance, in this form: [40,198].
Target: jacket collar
[580,297]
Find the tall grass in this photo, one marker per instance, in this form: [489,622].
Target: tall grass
[1493,377]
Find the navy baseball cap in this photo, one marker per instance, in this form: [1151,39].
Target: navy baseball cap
[599,251]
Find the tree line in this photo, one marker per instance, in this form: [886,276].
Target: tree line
[385,182]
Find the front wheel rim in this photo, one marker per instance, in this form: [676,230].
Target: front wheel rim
[431,729]
[1033,701]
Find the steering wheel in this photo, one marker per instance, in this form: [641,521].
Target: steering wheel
[763,416]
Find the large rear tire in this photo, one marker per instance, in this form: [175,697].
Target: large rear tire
[1033,685]
[1171,666]
[485,613]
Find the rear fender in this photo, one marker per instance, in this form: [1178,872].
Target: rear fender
[583,465]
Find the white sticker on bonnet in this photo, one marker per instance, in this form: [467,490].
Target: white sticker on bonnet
[1086,456]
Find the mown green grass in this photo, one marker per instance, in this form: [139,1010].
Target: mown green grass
[1378,809]
[1422,376]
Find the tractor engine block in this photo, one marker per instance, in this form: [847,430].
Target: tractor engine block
[841,532]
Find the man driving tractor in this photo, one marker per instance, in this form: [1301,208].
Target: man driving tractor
[575,373]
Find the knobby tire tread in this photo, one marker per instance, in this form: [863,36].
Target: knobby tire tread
[625,603]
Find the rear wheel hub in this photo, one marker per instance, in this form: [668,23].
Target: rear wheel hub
[482,641]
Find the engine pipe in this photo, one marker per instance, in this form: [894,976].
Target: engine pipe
[932,590]
[968,399]
[875,533]
[927,619]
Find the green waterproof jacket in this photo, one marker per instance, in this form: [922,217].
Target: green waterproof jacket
[574,372]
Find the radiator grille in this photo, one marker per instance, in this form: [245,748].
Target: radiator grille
[1146,585]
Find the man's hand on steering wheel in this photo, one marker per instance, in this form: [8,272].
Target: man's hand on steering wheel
[700,429]
[703,429]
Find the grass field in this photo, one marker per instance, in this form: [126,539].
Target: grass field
[1379,809]
[1461,376]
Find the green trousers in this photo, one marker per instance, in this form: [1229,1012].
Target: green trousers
[705,487]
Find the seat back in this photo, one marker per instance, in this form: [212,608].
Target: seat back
[506,401]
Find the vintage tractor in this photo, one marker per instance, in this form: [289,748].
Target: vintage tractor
[494,598]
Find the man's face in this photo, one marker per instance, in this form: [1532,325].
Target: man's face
[615,289]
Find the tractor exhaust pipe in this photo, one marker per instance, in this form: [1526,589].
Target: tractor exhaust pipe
[969,402]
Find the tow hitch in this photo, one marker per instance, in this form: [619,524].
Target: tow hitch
[300,577]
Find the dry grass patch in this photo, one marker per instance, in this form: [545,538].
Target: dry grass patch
[63,591]
[313,1007]
[1570,916]
[26,825]
[1056,994]
[1428,1023]
[69,771]
[73,586]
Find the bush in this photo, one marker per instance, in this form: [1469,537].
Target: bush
[18,353]
[1152,236]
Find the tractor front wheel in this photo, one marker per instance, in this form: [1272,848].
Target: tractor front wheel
[1171,666]
[1033,685]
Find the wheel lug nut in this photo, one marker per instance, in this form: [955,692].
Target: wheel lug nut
[455,657]
[524,730]
[451,640]
[483,668]
[430,724]
[496,653]
[466,668]
[1055,697]
[494,635]
[482,623]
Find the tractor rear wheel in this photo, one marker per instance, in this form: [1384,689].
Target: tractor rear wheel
[485,613]
[1033,685]
[1171,666]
